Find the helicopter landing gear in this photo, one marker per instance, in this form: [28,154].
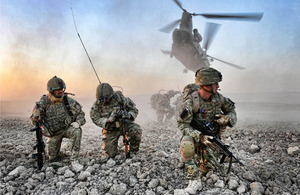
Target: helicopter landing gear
[185,70]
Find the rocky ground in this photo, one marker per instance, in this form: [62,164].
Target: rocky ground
[270,152]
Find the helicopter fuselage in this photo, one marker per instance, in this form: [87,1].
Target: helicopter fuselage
[185,49]
[186,45]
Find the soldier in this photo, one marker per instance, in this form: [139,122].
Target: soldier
[60,117]
[109,112]
[203,103]
[197,37]
[162,105]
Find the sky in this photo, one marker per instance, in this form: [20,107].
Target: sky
[38,40]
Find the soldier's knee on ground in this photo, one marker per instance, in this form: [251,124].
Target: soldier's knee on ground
[187,148]
[135,142]
[111,153]
[110,148]
[135,146]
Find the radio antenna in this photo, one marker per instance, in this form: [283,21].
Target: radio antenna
[84,47]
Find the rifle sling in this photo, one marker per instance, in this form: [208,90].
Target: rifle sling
[68,107]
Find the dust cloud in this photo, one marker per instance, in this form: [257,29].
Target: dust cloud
[250,108]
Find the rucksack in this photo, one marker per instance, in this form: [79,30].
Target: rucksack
[154,99]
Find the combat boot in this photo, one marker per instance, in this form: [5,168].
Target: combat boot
[194,186]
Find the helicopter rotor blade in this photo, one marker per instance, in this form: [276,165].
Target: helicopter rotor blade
[254,17]
[166,52]
[179,5]
[210,32]
[169,27]
[228,63]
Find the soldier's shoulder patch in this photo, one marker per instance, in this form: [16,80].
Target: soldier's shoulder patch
[184,113]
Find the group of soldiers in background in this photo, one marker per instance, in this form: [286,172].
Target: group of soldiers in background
[62,117]
[161,103]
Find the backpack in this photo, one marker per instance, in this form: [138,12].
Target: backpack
[154,99]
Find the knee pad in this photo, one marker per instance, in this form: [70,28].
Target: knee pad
[187,148]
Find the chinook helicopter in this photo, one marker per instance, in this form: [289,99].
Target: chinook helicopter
[187,50]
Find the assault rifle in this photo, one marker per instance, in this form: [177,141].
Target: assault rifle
[39,146]
[125,137]
[123,114]
[206,128]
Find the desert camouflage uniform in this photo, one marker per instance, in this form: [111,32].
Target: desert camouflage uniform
[112,131]
[163,108]
[56,124]
[203,110]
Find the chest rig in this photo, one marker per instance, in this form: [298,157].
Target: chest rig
[58,115]
[206,110]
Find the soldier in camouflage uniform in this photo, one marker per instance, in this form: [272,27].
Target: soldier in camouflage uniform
[163,107]
[60,117]
[203,102]
[109,112]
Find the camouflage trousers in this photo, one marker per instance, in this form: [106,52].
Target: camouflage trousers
[199,164]
[111,137]
[54,143]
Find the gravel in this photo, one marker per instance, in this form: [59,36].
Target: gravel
[270,152]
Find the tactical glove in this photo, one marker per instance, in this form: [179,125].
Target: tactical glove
[126,115]
[222,120]
[119,114]
[112,117]
[75,125]
[205,139]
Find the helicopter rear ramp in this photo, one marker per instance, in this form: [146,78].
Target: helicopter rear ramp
[190,56]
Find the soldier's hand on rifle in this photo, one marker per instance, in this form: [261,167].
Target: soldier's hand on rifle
[126,115]
[112,117]
[222,119]
[119,114]
[75,125]
[205,139]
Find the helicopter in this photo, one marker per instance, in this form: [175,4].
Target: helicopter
[187,50]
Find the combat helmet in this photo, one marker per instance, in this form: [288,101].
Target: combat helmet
[207,76]
[104,91]
[55,83]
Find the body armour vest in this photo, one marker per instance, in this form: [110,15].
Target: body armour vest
[207,110]
[57,118]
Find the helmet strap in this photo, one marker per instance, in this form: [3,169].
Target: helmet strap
[211,90]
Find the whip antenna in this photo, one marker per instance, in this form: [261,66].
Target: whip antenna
[84,47]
